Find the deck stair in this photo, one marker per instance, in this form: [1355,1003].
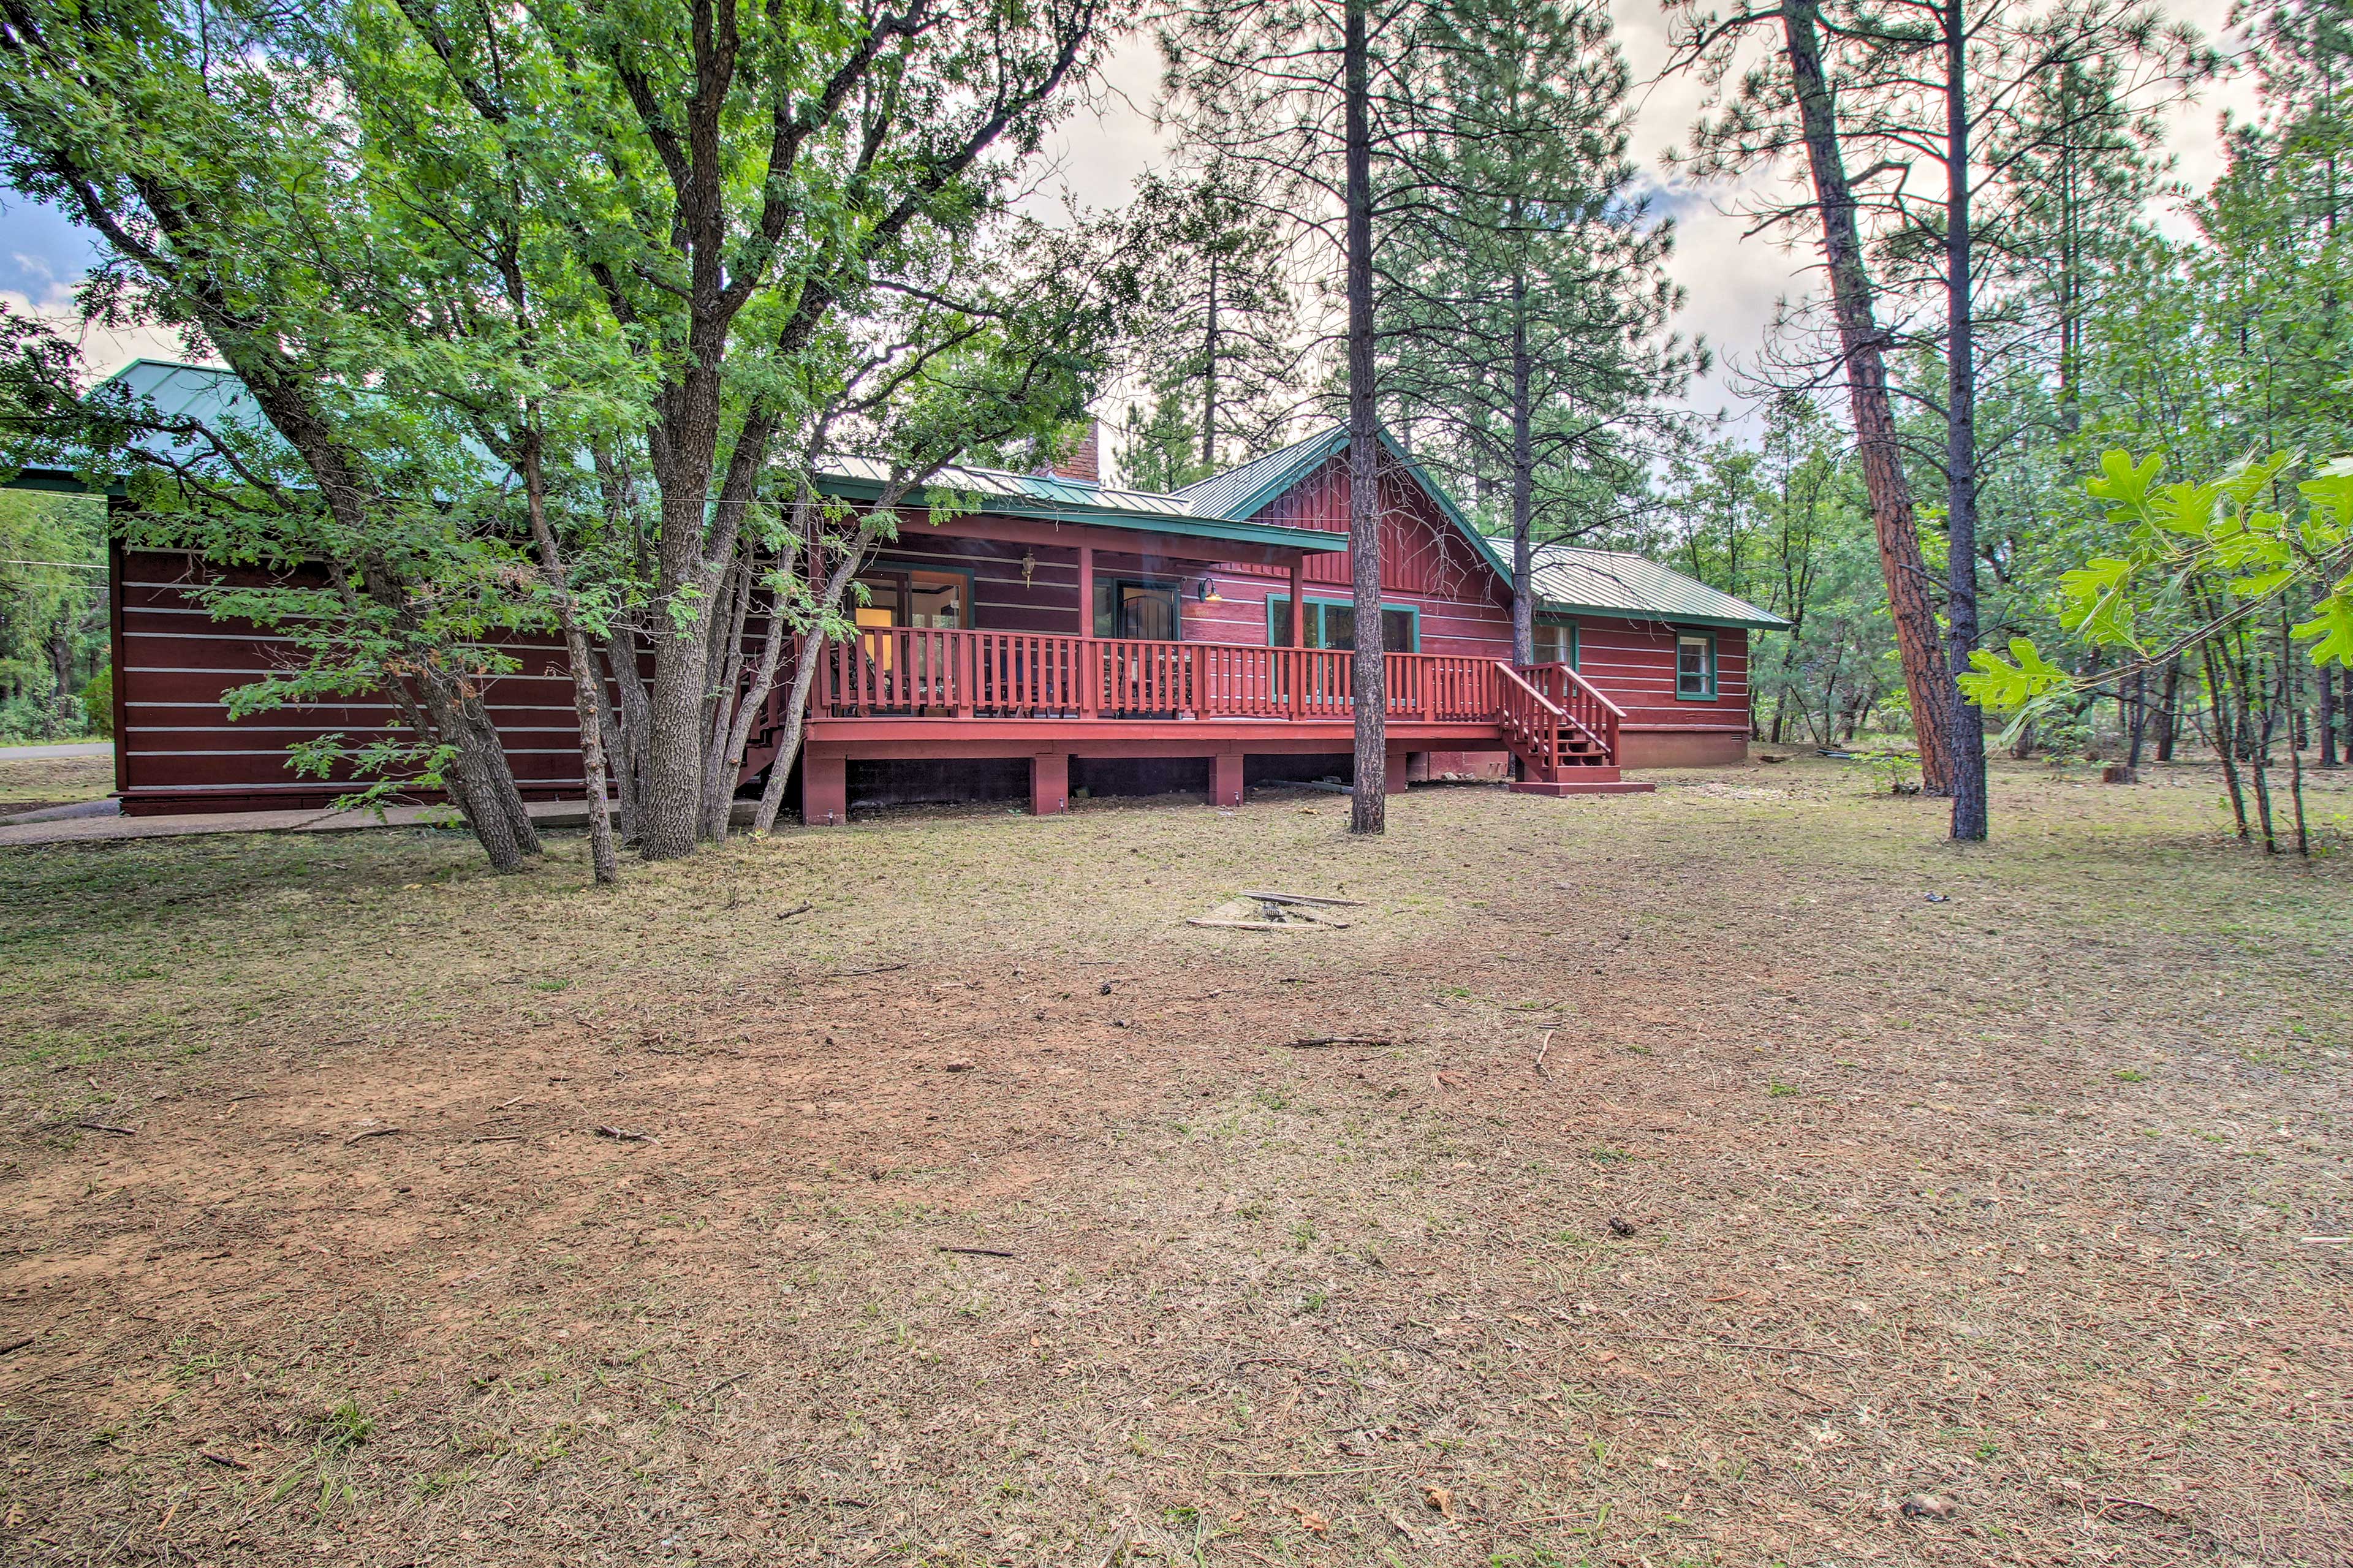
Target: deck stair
[1563,731]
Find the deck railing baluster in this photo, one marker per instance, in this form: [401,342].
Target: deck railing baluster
[903,671]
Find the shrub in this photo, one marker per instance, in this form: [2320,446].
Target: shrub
[97,703]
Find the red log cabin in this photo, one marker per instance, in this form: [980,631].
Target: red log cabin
[1076,632]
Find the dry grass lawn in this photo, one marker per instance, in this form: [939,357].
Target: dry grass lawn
[28,784]
[1718,1197]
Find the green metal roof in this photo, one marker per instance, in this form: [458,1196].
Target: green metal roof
[1568,580]
[212,394]
[1058,499]
[208,393]
[1571,579]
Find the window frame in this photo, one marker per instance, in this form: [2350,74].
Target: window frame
[903,577]
[1576,637]
[1706,636]
[1320,602]
[1105,610]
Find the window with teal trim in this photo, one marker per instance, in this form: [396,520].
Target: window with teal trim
[1696,667]
[1556,644]
[1332,623]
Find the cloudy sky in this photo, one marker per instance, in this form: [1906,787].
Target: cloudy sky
[1732,283]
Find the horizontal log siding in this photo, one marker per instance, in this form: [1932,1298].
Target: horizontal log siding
[1001,601]
[1634,663]
[178,750]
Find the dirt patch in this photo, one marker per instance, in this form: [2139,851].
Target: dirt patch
[1722,1197]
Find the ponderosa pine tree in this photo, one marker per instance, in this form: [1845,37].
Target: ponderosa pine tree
[1525,295]
[1791,107]
[1949,92]
[1222,353]
[1302,90]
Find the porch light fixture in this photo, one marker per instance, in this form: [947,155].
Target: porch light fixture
[1028,566]
[1207,593]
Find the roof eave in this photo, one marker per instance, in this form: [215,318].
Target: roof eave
[1309,458]
[1759,622]
[1263,533]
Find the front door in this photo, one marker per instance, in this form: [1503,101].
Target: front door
[1146,611]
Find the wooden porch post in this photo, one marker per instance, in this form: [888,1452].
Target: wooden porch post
[1298,632]
[1226,779]
[1089,669]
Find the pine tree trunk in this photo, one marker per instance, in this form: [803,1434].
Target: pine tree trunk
[1524,482]
[2139,715]
[1927,678]
[2226,741]
[1209,375]
[1369,812]
[2169,710]
[1966,757]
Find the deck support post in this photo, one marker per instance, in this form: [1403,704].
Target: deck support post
[1226,779]
[1050,784]
[1396,772]
[825,789]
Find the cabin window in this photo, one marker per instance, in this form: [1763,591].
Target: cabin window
[1332,623]
[924,599]
[1132,607]
[1556,644]
[939,599]
[1696,667]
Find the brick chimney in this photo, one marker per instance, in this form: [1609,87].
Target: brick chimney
[1082,458]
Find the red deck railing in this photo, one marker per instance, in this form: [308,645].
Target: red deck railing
[1552,716]
[1581,705]
[922,671]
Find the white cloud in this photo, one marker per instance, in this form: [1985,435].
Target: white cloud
[104,350]
[1732,280]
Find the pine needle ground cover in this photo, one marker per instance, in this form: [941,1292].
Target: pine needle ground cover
[1709,1191]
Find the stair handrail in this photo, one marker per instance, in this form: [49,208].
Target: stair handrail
[1548,705]
[1592,691]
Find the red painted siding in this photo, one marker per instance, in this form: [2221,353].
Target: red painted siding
[174,661]
[1465,607]
[178,750]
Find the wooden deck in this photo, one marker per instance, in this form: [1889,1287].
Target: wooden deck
[917,693]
